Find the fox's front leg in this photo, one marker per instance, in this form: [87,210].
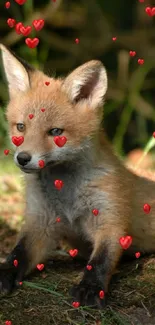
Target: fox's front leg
[34,247]
[102,263]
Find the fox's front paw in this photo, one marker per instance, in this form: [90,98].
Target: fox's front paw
[7,278]
[88,294]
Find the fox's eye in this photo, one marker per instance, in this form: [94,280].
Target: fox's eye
[20,127]
[55,132]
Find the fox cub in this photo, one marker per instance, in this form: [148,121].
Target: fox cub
[99,200]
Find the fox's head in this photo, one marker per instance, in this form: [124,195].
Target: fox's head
[69,107]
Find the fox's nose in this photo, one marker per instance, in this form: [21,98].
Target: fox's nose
[23,158]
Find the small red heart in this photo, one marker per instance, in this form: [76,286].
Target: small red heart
[7,5]
[47,83]
[141,1]
[132,53]
[58,184]
[41,163]
[58,219]
[15,263]
[89,267]
[140,61]
[17,28]
[150,11]
[6,152]
[17,140]
[11,22]
[95,212]
[137,254]
[101,294]
[20,283]
[32,42]
[8,322]
[31,116]
[114,38]
[60,141]
[40,267]
[20,2]
[73,252]
[125,242]
[38,24]
[25,30]
[146,208]
[43,109]
[77,41]
[154,134]
[75,304]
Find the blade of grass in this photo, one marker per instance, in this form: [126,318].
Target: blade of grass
[121,129]
[148,147]
[36,286]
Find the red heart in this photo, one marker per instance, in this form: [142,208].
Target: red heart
[150,11]
[43,109]
[31,116]
[17,28]
[17,140]
[58,184]
[58,219]
[153,134]
[101,294]
[75,304]
[41,163]
[137,254]
[125,242]
[60,141]
[73,252]
[25,30]
[8,322]
[146,208]
[38,24]
[114,38]
[15,263]
[32,42]
[89,267]
[6,152]
[20,283]
[7,5]
[20,2]
[11,22]
[47,83]
[132,53]
[95,212]
[40,267]
[140,61]
[77,40]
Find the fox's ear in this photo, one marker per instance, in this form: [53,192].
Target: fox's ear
[16,70]
[88,82]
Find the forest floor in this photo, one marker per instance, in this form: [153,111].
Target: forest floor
[43,299]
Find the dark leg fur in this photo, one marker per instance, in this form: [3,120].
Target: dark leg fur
[11,275]
[87,292]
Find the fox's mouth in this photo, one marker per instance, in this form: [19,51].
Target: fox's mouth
[37,169]
[29,170]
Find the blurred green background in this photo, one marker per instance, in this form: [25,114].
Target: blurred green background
[129,113]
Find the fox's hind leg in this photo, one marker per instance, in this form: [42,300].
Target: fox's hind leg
[34,247]
[103,260]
